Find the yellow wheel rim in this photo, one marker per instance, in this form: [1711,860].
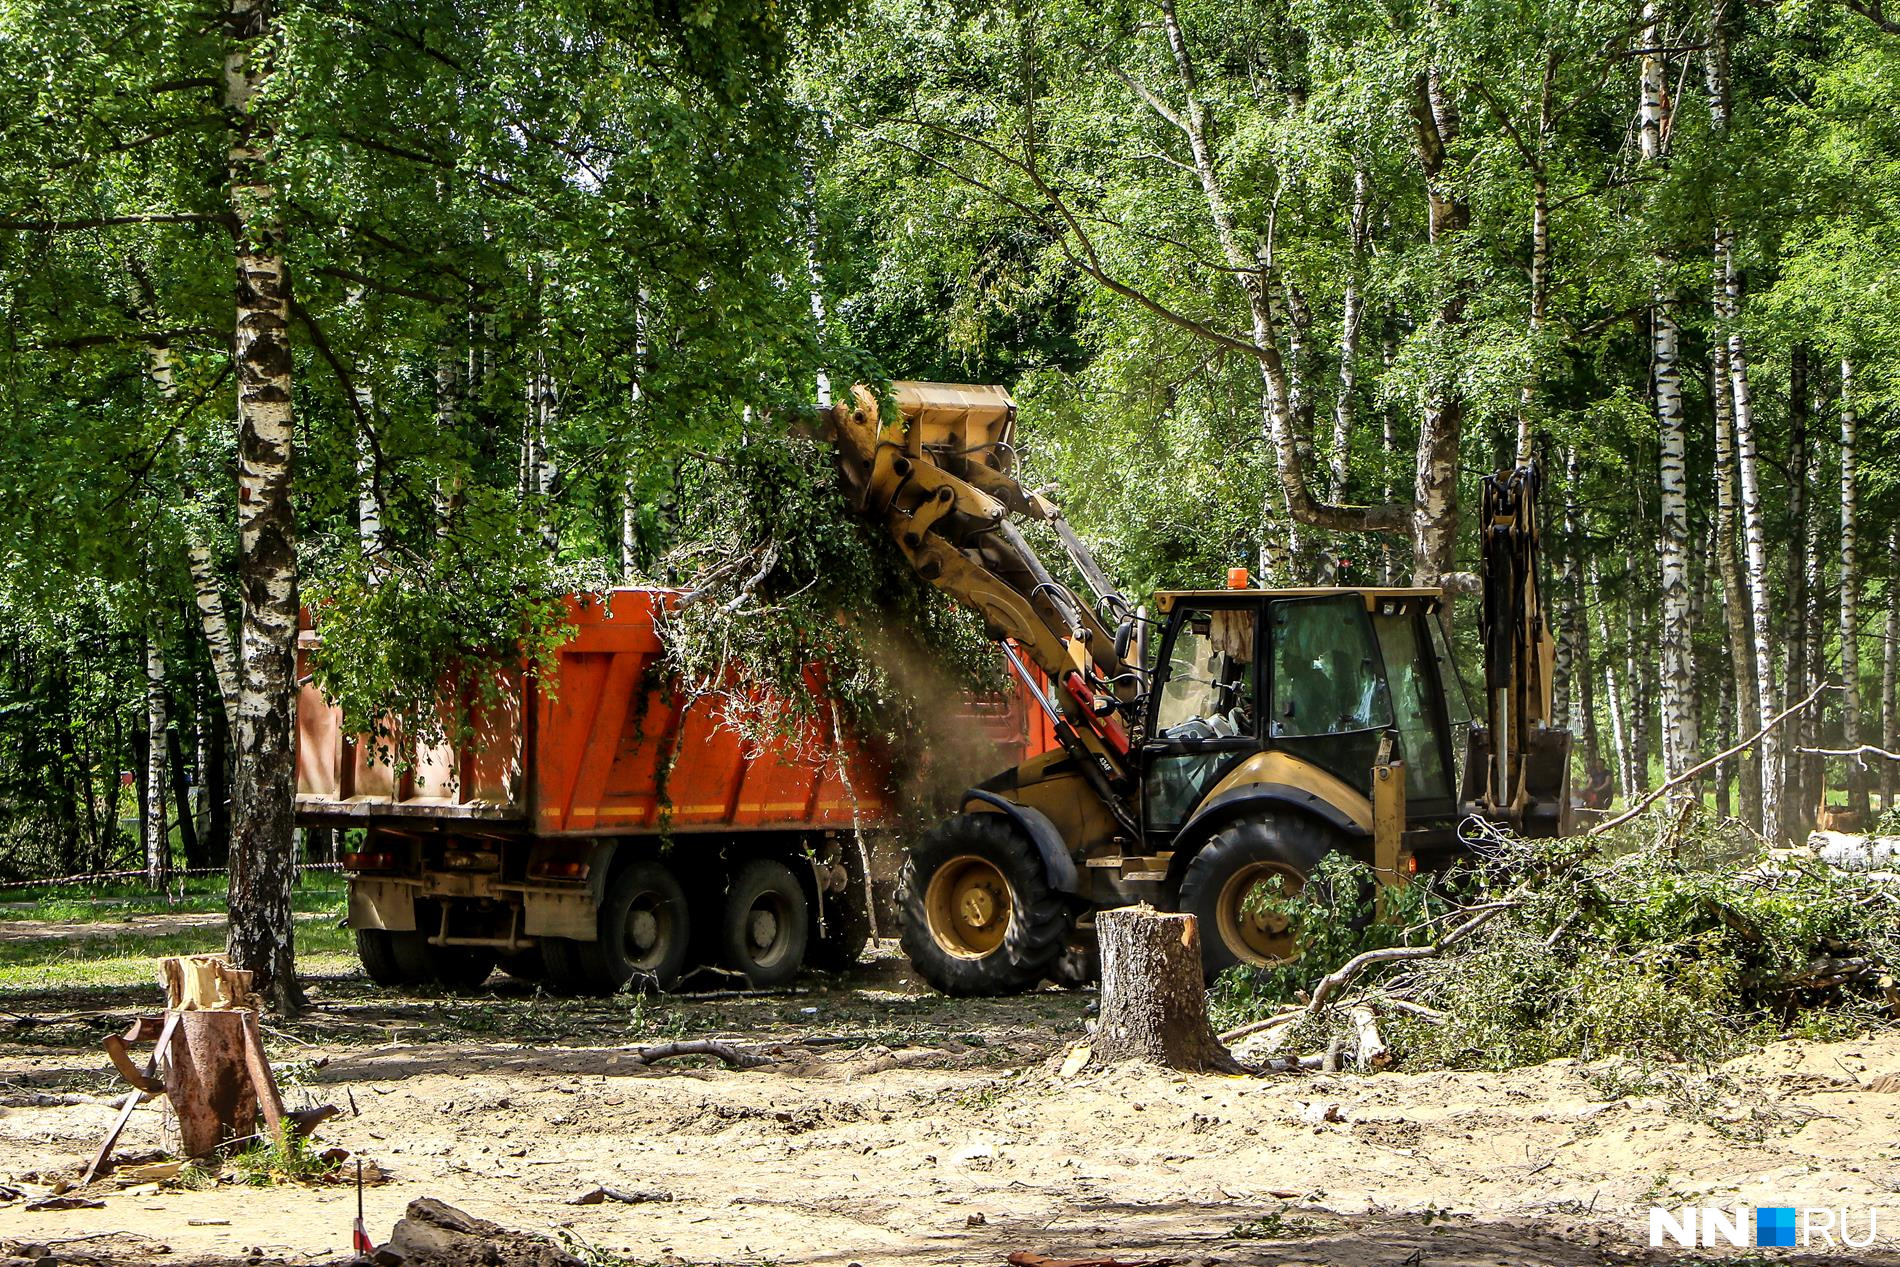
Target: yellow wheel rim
[1257,937]
[969,906]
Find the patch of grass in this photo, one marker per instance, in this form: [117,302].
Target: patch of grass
[127,959]
[1275,1225]
[316,892]
[287,1159]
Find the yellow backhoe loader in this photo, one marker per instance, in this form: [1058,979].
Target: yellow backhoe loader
[1212,740]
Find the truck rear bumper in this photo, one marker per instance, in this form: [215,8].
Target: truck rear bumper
[472,910]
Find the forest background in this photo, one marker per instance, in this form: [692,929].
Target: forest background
[426,313]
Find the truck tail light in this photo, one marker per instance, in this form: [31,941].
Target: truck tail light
[556,869]
[369,862]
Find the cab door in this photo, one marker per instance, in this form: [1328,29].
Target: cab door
[1204,714]
[1328,698]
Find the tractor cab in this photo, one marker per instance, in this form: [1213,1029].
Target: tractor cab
[1336,682]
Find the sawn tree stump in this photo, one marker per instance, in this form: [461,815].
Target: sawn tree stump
[1154,1003]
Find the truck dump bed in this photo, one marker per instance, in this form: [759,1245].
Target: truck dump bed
[614,747]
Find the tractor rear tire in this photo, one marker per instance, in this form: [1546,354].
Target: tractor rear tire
[645,932]
[979,915]
[1230,866]
[765,924]
[392,959]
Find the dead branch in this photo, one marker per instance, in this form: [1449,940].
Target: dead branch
[1334,982]
[1865,750]
[734,1057]
[1649,798]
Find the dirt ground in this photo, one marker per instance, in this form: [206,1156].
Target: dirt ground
[897,1127]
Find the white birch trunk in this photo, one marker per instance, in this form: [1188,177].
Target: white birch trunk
[448,387]
[1747,458]
[1850,594]
[263,845]
[207,594]
[157,821]
[815,282]
[1251,270]
[369,514]
[1352,316]
[1890,674]
[1612,686]
[1678,673]
[1746,703]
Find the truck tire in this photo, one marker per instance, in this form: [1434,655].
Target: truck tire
[525,965]
[645,932]
[847,931]
[392,959]
[459,967]
[979,916]
[567,974]
[1230,866]
[765,924]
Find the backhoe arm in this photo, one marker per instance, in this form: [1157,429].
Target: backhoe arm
[939,475]
[1518,767]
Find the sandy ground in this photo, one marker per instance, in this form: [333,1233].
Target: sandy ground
[954,1139]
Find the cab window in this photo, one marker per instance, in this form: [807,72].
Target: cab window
[1326,678]
[1211,674]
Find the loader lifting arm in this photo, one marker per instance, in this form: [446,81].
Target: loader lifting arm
[1518,767]
[940,475]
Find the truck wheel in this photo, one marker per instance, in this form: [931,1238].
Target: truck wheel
[392,959]
[566,972]
[979,916]
[644,933]
[765,924]
[525,965]
[459,967]
[847,928]
[1230,867]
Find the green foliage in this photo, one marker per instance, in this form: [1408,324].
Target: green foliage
[1340,912]
[784,577]
[287,1159]
[421,645]
[1674,955]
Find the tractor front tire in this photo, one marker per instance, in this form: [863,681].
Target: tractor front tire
[979,916]
[1239,859]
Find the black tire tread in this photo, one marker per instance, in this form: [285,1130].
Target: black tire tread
[752,879]
[1038,932]
[1296,839]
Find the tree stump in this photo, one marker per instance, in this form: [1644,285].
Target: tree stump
[1154,1001]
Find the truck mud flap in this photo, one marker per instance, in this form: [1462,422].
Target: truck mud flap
[386,904]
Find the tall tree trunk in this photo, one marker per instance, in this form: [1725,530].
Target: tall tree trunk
[1678,669]
[1435,492]
[1735,601]
[1352,317]
[217,784]
[1637,667]
[1540,294]
[188,840]
[538,469]
[263,844]
[1747,453]
[1253,272]
[206,592]
[156,828]
[1850,595]
[1612,687]
[1890,674]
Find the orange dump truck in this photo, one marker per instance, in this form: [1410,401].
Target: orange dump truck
[603,832]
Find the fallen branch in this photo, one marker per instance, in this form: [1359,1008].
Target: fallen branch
[1865,750]
[1334,982]
[1670,785]
[734,1057]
